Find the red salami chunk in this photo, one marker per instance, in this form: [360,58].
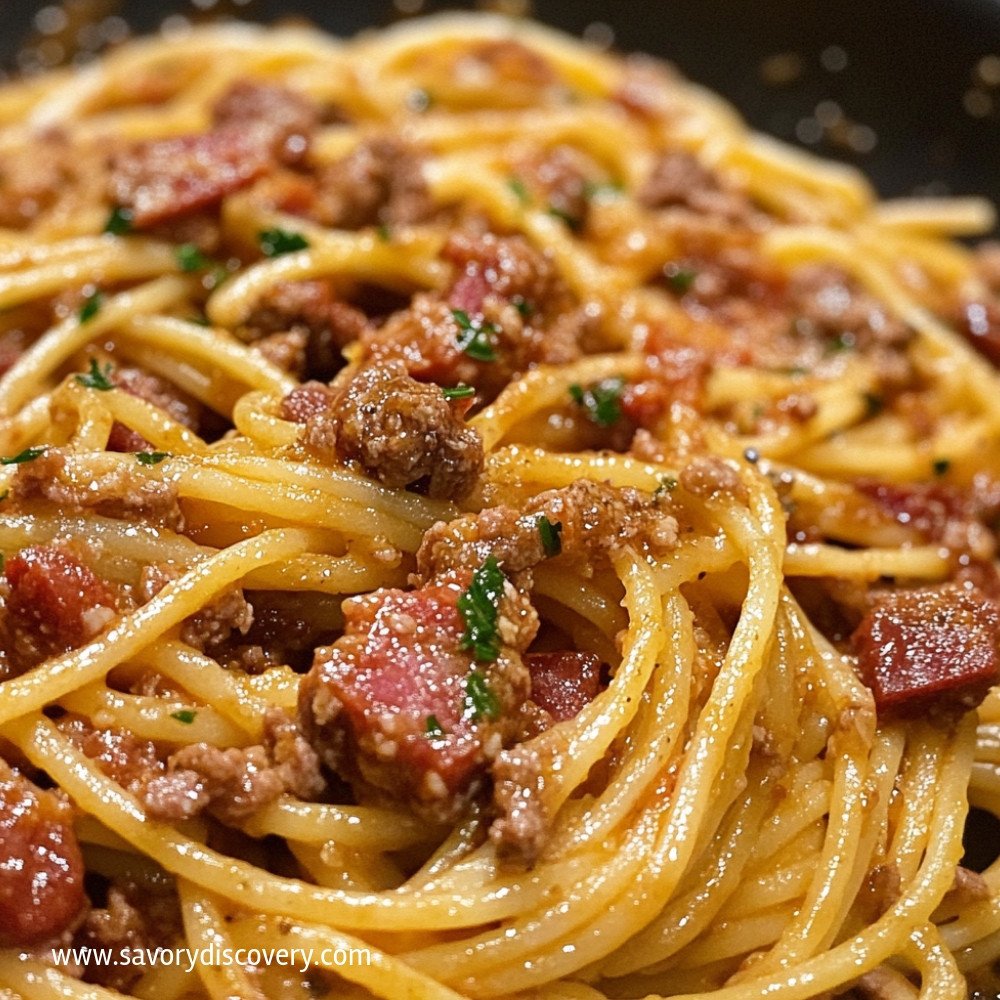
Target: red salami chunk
[929,649]
[54,596]
[563,683]
[41,868]
[165,179]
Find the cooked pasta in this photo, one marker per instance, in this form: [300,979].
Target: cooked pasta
[479,518]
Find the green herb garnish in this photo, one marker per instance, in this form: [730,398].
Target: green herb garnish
[941,466]
[458,392]
[523,306]
[91,306]
[190,258]
[383,232]
[275,242]
[667,485]
[184,715]
[96,378]
[432,727]
[478,607]
[601,400]
[480,701]
[550,533]
[151,457]
[476,336]
[842,342]
[680,279]
[28,455]
[520,191]
[119,221]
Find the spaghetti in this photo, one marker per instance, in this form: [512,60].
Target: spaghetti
[468,500]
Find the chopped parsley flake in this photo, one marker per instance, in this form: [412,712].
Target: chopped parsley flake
[523,306]
[667,485]
[432,727]
[475,336]
[185,715]
[96,378]
[480,701]
[842,342]
[941,466]
[151,457]
[384,233]
[516,185]
[119,221]
[601,400]
[275,242]
[91,307]
[458,392]
[679,278]
[478,607]
[28,455]
[550,533]
[190,258]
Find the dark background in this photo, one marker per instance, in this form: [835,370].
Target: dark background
[901,83]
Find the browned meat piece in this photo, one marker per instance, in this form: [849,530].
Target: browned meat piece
[309,307]
[53,603]
[162,179]
[283,119]
[559,181]
[138,912]
[236,783]
[588,521]
[176,404]
[938,512]
[380,182]
[401,432]
[979,323]
[400,703]
[112,487]
[828,303]
[215,624]
[679,179]
[709,476]
[32,179]
[522,825]
[929,650]
[507,269]
[119,754]
[306,402]
[286,351]
[41,868]
[507,310]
